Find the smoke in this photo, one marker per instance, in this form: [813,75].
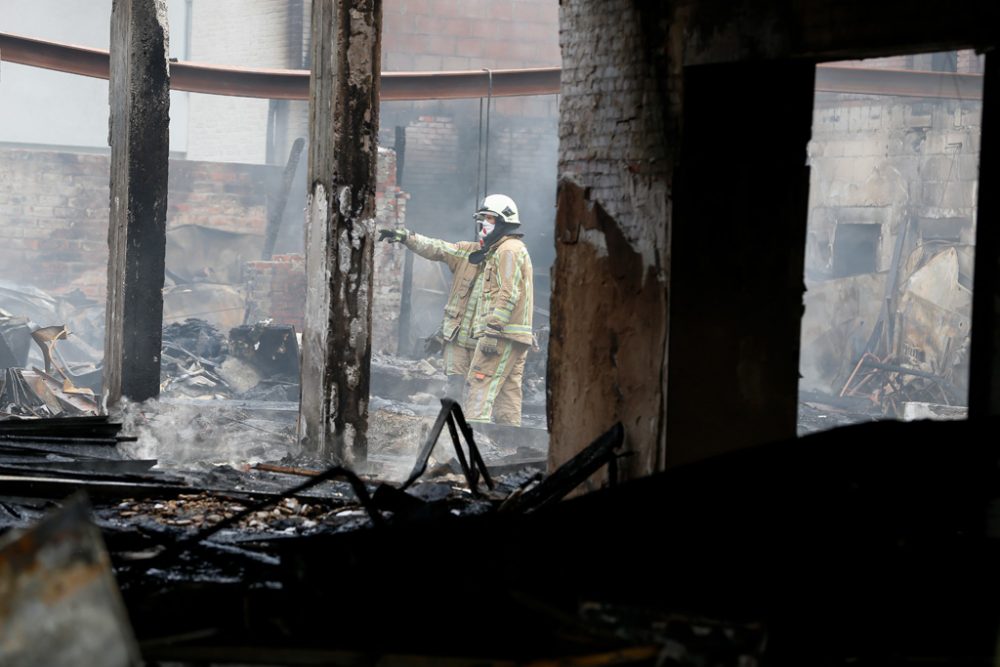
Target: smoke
[197,434]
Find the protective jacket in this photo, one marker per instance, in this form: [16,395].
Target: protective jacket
[460,311]
[506,304]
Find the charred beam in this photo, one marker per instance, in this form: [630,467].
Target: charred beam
[340,216]
[571,474]
[278,210]
[139,136]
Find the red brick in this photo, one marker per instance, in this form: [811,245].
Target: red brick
[411,6]
[537,11]
[501,9]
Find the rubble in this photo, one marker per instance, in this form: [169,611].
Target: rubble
[192,355]
[911,346]
[61,604]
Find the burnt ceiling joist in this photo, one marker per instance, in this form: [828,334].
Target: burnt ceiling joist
[284,84]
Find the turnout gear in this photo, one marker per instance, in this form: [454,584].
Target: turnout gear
[501,206]
[460,310]
[488,344]
[493,388]
[392,235]
[506,305]
[503,328]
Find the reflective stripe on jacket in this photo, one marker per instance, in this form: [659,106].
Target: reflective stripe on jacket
[506,305]
[466,283]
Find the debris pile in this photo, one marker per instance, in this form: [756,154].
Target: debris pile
[26,390]
[238,554]
[918,350]
[201,509]
[893,344]
[190,364]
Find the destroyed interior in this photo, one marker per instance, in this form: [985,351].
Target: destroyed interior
[499,332]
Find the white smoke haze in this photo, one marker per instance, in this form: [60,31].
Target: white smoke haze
[198,434]
[448,161]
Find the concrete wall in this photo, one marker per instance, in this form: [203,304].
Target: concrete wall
[878,161]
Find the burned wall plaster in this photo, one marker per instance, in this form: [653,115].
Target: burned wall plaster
[606,350]
[609,314]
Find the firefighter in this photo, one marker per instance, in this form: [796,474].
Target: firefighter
[502,323]
[460,310]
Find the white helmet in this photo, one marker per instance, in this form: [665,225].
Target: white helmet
[502,206]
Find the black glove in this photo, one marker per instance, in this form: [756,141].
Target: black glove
[392,235]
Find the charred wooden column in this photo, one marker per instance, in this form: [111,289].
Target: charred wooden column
[139,137]
[984,373]
[737,249]
[340,218]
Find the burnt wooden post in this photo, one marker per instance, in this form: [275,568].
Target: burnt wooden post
[340,219]
[139,96]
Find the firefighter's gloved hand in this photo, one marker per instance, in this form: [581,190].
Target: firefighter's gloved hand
[488,344]
[392,235]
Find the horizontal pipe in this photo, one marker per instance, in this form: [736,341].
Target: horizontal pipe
[898,82]
[282,84]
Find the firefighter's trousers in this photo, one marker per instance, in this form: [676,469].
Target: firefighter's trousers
[457,360]
[493,386]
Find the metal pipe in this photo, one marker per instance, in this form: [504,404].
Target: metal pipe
[897,82]
[284,84]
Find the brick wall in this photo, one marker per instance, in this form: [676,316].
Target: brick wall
[608,338]
[244,33]
[276,290]
[883,159]
[417,35]
[603,143]
[390,212]
[54,221]
[54,208]
[434,35]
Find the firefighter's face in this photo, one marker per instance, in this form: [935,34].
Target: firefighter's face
[486,222]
